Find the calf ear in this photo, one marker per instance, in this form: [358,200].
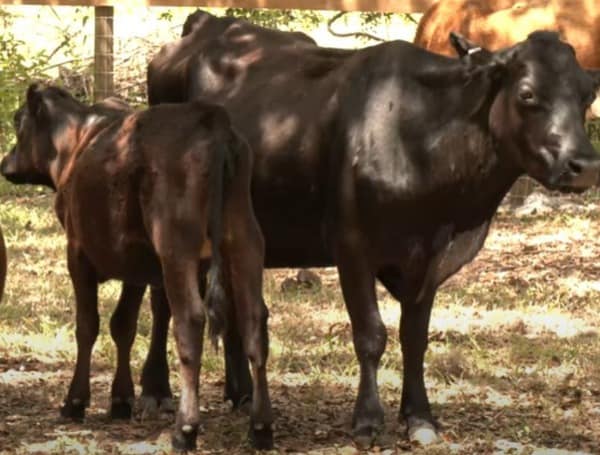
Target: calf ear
[595,75]
[35,101]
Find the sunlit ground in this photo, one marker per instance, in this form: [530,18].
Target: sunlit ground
[513,362]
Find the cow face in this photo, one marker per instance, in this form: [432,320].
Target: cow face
[30,160]
[537,116]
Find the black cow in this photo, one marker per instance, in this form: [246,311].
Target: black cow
[390,162]
[151,197]
[248,42]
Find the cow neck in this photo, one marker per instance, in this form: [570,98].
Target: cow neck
[493,171]
[83,132]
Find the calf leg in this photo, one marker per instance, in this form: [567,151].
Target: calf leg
[246,258]
[181,284]
[85,285]
[123,325]
[414,325]
[238,382]
[369,336]
[156,390]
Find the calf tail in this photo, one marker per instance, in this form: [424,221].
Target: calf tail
[218,302]
[2,265]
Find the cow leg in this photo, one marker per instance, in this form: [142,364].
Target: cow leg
[246,270]
[156,389]
[85,285]
[181,284]
[123,325]
[414,325]
[369,336]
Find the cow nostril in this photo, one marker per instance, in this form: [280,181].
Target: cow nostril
[575,167]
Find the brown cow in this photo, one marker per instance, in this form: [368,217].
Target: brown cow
[496,24]
[2,264]
[151,197]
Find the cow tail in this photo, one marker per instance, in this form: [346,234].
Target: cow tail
[218,302]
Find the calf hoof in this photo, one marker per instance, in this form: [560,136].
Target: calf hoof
[260,436]
[73,409]
[422,432]
[121,408]
[184,438]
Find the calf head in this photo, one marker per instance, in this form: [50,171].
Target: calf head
[44,133]
[540,97]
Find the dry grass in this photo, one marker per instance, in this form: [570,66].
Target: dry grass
[514,352]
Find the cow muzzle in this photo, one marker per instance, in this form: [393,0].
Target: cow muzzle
[578,175]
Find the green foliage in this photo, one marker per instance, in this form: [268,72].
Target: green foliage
[16,71]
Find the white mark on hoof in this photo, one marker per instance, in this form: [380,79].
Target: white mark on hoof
[423,434]
[76,402]
[187,429]
[259,426]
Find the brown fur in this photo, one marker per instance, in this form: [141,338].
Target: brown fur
[502,23]
[143,196]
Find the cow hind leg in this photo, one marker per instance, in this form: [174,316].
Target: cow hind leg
[181,284]
[85,286]
[156,389]
[123,325]
[251,316]
[369,335]
[414,324]
[238,382]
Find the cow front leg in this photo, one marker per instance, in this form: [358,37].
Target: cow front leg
[414,324]
[85,286]
[415,408]
[123,325]
[156,389]
[369,336]
[181,285]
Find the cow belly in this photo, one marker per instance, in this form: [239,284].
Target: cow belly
[134,263]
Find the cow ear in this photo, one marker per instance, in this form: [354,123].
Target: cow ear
[35,101]
[595,75]
[470,53]
[461,45]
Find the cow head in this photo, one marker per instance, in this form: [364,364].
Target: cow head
[39,124]
[540,97]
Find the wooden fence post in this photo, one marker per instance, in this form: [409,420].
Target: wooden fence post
[103,52]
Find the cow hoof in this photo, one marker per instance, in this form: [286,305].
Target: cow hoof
[184,438]
[364,438]
[243,405]
[260,437]
[74,410]
[120,408]
[152,408]
[167,406]
[422,432]
[149,408]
